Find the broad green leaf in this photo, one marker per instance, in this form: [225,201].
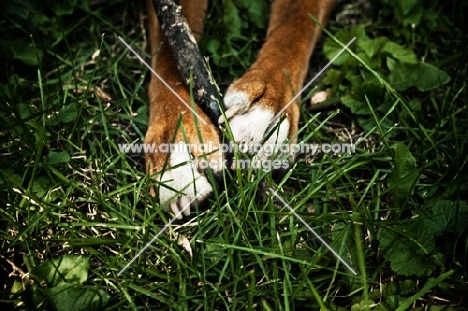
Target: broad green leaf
[373,63]
[407,248]
[212,46]
[331,49]
[373,92]
[256,13]
[23,51]
[57,157]
[66,115]
[66,268]
[41,185]
[33,296]
[372,47]
[67,296]
[390,63]
[40,133]
[405,6]
[431,19]
[404,175]
[241,4]
[354,76]
[399,52]
[10,177]
[430,77]
[357,106]
[231,18]
[332,77]
[423,76]
[448,216]
[356,80]
[24,110]
[402,77]
[17,287]
[44,188]
[409,12]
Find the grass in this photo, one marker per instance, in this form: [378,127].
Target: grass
[75,210]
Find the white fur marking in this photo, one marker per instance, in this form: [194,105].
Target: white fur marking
[274,142]
[235,103]
[185,178]
[250,128]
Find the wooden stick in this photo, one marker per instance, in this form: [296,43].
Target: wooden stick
[188,58]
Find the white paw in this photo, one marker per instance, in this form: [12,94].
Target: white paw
[238,99]
[183,176]
[277,140]
[251,126]
[235,102]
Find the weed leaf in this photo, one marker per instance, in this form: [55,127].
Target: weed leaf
[423,76]
[69,268]
[372,47]
[399,52]
[404,175]
[40,134]
[57,157]
[331,49]
[232,18]
[448,216]
[67,296]
[406,248]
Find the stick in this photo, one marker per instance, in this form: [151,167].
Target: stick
[188,58]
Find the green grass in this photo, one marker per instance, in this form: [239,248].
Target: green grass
[75,210]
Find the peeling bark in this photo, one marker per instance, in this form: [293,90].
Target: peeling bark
[188,58]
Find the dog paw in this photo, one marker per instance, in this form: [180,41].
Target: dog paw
[182,169]
[258,132]
[184,183]
[260,115]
